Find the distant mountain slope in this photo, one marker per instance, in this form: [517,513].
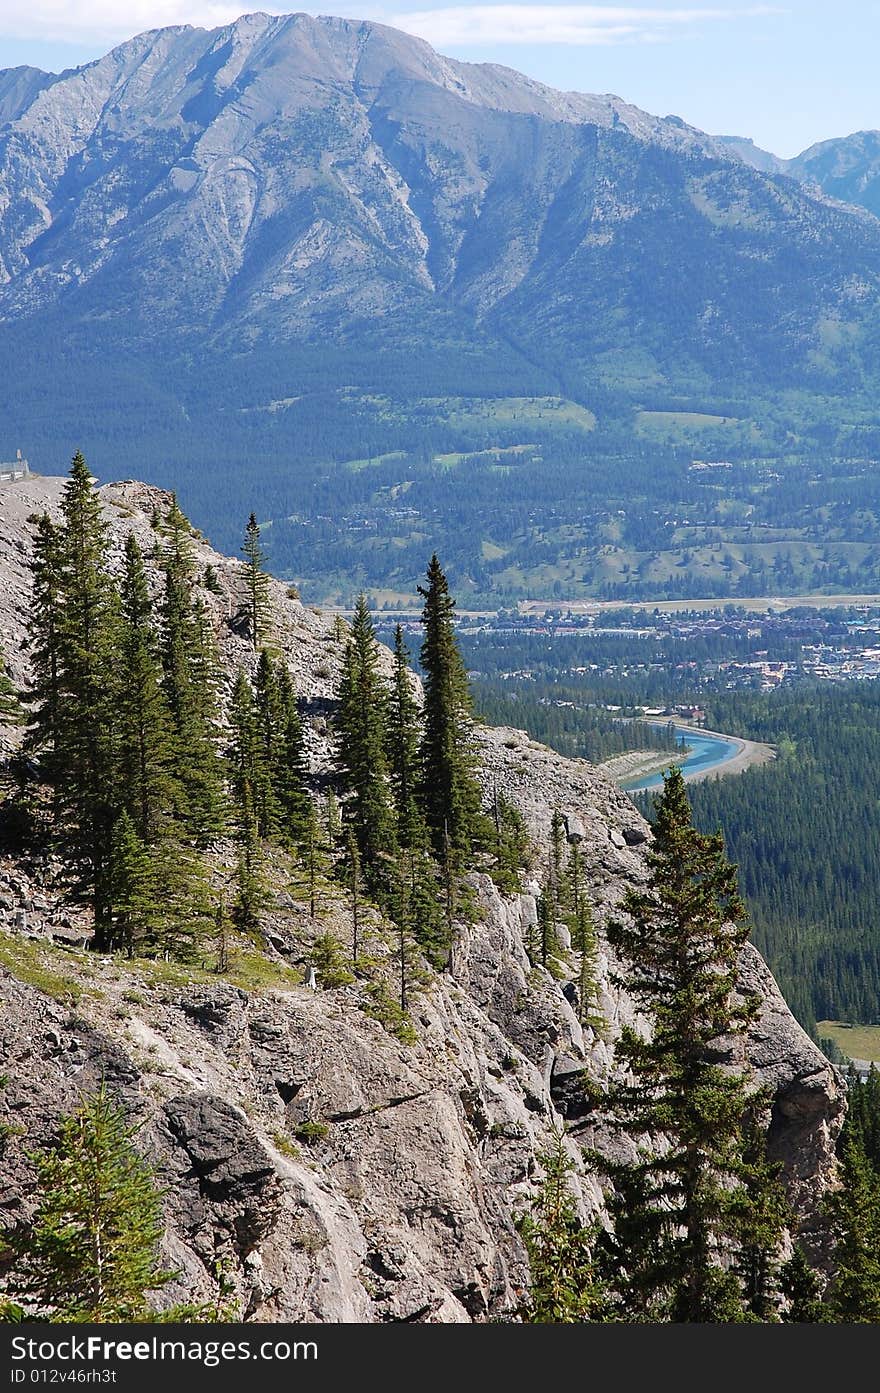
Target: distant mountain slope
[289,176]
[243,258]
[848,168]
[746,150]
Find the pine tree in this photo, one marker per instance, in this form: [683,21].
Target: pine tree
[564,1287]
[328,960]
[206,802]
[11,712]
[547,944]
[146,754]
[157,896]
[271,720]
[853,1296]
[250,896]
[410,967]
[585,943]
[512,847]
[291,771]
[242,753]
[83,761]
[190,683]
[181,903]
[402,918]
[801,1290]
[403,751]
[362,745]
[762,1214]
[45,623]
[422,890]
[555,869]
[680,943]
[353,873]
[256,584]
[128,889]
[431,928]
[93,1250]
[450,795]
[249,779]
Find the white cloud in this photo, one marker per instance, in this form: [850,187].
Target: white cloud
[107,21]
[579,25]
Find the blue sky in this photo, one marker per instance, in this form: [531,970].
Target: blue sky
[786,74]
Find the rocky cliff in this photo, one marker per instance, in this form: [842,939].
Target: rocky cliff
[335,1172]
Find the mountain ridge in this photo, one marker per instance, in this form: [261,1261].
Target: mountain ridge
[247,260]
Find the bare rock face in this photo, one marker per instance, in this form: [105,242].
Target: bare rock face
[332,1172]
[808,1097]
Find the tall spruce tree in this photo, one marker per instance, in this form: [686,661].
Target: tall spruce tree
[584,941]
[422,893]
[403,737]
[450,795]
[250,886]
[250,782]
[675,1211]
[361,729]
[511,844]
[83,761]
[256,584]
[182,907]
[147,781]
[190,683]
[353,876]
[44,628]
[291,772]
[271,721]
[130,890]
[246,756]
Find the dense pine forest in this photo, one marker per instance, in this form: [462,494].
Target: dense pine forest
[557,716]
[805,833]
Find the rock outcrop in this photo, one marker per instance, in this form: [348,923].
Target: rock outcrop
[330,1170]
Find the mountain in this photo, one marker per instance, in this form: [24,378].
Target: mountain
[751,154]
[312,266]
[847,168]
[333,1171]
[292,177]
[282,173]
